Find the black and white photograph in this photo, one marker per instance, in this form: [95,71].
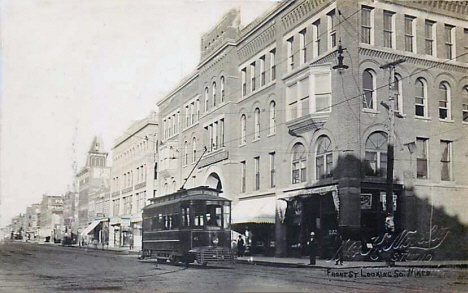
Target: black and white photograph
[233,146]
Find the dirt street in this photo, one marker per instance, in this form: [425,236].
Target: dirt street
[28,267]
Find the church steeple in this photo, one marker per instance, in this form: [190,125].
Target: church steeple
[96,154]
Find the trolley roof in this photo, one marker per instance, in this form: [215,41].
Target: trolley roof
[196,193]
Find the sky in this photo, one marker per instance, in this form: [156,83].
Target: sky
[75,69]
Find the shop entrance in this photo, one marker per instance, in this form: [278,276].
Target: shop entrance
[311,213]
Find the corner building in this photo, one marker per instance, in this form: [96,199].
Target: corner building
[301,147]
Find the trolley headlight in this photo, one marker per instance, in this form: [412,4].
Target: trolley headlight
[215,241]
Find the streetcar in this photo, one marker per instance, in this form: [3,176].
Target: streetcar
[187,226]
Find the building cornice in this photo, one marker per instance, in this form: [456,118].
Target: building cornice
[374,53]
[181,85]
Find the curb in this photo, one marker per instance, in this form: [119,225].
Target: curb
[300,265]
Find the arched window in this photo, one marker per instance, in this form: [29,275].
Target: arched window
[185,153]
[376,154]
[324,158]
[399,92]
[166,188]
[214,94]
[299,160]
[369,100]
[272,117]
[174,186]
[243,129]
[257,124]
[420,98]
[444,101]
[222,89]
[194,149]
[465,103]
[207,98]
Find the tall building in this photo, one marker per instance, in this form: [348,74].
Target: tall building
[51,218]
[301,146]
[134,176]
[92,178]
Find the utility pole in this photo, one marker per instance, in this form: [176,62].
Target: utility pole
[391,135]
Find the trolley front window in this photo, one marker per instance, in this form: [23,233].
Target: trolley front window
[214,215]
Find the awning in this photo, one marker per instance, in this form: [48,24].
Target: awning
[258,210]
[90,227]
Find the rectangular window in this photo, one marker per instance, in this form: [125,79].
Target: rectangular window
[332,29]
[262,71]
[290,53]
[257,173]
[304,97]
[221,133]
[198,109]
[272,170]
[272,64]
[388,29]
[366,25]
[243,176]
[215,135]
[322,92]
[421,158]
[446,160]
[465,104]
[187,116]
[429,37]
[244,81]
[302,46]
[316,38]
[291,94]
[252,76]
[448,31]
[409,33]
[115,207]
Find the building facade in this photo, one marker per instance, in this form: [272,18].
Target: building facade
[301,147]
[31,223]
[93,179]
[133,180]
[51,218]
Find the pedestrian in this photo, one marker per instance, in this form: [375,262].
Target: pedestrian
[339,249]
[131,242]
[240,246]
[312,249]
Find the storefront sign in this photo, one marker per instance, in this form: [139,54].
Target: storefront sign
[125,222]
[366,201]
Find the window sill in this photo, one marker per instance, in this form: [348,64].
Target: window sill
[248,95]
[255,140]
[370,111]
[273,134]
[446,120]
[242,145]
[423,118]
[464,123]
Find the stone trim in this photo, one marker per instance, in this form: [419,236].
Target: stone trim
[258,43]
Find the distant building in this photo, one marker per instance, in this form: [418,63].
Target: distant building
[51,217]
[31,223]
[300,146]
[134,177]
[92,178]
[70,215]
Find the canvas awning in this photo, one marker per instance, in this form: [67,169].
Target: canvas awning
[258,210]
[90,227]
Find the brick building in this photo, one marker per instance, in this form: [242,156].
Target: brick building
[133,180]
[301,147]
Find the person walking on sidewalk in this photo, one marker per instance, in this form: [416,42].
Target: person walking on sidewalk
[240,246]
[312,249]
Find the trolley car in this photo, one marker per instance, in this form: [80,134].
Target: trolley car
[187,226]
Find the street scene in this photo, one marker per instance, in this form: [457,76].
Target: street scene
[47,268]
[238,146]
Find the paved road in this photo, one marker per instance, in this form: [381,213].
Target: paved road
[44,268]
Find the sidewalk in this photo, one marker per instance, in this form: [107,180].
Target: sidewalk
[304,262]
